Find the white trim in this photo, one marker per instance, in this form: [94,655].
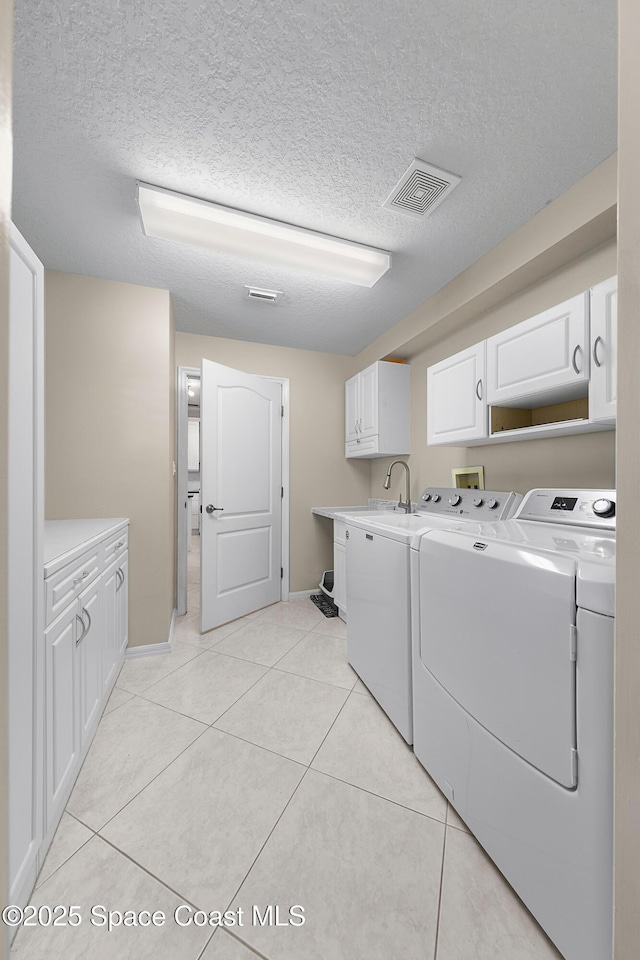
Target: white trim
[151,649]
[182,416]
[284,585]
[147,650]
[299,594]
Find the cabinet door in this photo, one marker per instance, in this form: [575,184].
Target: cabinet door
[123,604]
[62,748]
[339,577]
[456,408]
[604,350]
[89,660]
[536,358]
[352,408]
[111,628]
[369,402]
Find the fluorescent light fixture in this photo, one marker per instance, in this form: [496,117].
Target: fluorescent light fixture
[174,216]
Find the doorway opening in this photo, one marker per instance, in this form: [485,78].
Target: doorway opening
[189,489]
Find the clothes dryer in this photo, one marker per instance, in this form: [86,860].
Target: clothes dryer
[379,589]
[513,699]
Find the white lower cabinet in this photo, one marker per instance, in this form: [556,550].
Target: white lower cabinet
[61,740]
[115,619]
[339,567]
[89,653]
[84,651]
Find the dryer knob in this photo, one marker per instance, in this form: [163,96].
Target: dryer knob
[478,502]
[455,499]
[492,504]
[435,497]
[426,497]
[604,508]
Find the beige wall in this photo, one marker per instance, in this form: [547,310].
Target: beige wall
[319,473]
[581,460]
[6,37]
[109,428]
[627,723]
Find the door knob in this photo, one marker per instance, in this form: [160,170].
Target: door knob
[211,508]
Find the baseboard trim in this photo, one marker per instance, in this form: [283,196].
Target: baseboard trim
[147,650]
[152,649]
[299,594]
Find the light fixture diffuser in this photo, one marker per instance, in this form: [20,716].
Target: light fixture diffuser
[175,216]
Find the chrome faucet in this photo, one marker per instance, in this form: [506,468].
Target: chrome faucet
[402,504]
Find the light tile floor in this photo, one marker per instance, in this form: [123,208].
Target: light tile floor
[250,767]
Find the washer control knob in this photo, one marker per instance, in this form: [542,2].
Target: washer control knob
[455,499]
[604,507]
[435,498]
[426,497]
[478,501]
[492,504]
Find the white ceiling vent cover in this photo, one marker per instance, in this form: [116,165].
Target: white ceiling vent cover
[420,190]
[265,296]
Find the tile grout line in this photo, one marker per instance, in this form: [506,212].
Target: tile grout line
[166,767]
[149,873]
[437,938]
[136,692]
[267,838]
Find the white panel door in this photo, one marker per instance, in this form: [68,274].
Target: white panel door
[604,350]
[24,563]
[369,402]
[240,492]
[456,408]
[352,408]
[541,355]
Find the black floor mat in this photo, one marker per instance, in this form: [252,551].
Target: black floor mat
[324,604]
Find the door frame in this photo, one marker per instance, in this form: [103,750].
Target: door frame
[182,413]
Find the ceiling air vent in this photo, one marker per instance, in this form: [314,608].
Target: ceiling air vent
[266,296]
[420,190]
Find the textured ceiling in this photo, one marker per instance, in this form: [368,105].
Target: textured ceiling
[306,112]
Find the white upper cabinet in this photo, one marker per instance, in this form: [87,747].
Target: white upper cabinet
[377,411]
[604,350]
[352,408]
[456,405]
[543,357]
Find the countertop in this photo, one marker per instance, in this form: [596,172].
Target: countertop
[333,512]
[64,540]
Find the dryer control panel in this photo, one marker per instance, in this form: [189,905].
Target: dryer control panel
[471,504]
[582,508]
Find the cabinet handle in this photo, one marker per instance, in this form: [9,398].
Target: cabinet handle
[120,576]
[85,574]
[119,544]
[479,389]
[84,610]
[597,340]
[573,358]
[84,628]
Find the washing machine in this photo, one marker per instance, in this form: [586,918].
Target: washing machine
[513,700]
[379,589]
